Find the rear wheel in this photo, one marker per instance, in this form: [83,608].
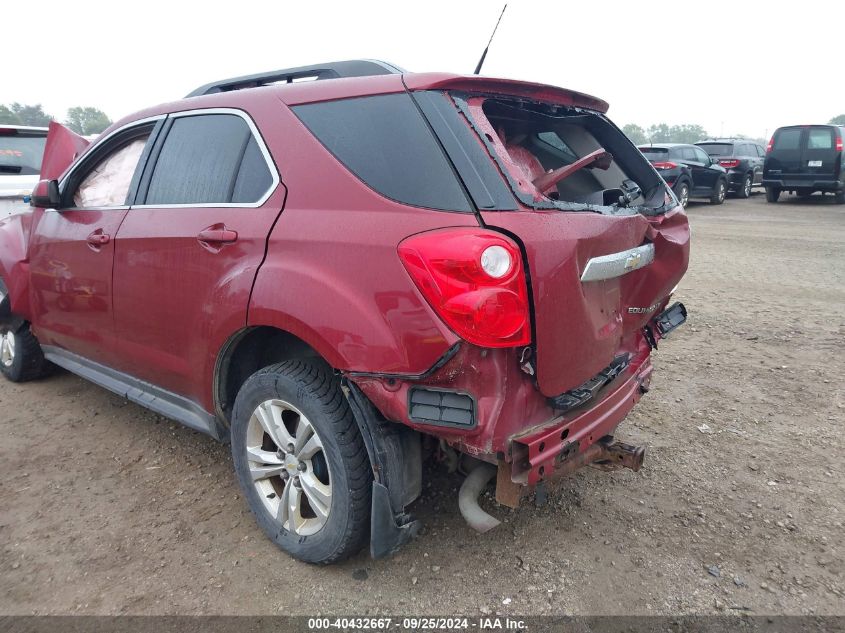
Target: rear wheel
[772,194]
[718,196]
[745,189]
[683,194]
[21,358]
[301,461]
[840,196]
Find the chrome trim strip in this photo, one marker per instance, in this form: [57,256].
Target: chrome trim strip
[618,264]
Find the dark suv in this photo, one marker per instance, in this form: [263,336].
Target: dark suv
[343,275]
[804,159]
[743,159]
[689,171]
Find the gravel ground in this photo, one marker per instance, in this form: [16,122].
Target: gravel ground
[106,508]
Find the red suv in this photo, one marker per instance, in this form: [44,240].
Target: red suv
[343,275]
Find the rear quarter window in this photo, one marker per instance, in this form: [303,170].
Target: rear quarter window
[387,144]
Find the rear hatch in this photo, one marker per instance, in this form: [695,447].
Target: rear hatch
[803,155]
[604,240]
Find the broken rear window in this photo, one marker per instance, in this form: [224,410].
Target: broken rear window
[562,157]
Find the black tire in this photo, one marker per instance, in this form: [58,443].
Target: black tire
[772,194]
[840,196]
[720,192]
[315,391]
[27,359]
[682,193]
[744,190]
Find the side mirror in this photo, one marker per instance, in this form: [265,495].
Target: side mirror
[46,194]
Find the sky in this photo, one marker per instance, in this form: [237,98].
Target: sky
[741,67]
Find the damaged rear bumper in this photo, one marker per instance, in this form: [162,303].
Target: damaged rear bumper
[536,455]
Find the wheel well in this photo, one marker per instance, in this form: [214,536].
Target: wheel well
[245,353]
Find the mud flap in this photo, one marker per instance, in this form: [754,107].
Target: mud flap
[388,532]
[395,457]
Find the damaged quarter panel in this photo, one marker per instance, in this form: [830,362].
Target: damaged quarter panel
[362,311]
[14,262]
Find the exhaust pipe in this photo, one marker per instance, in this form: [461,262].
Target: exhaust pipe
[475,482]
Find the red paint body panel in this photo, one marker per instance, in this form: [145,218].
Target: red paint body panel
[14,263]
[580,327]
[490,85]
[62,147]
[71,281]
[333,277]
[177,299]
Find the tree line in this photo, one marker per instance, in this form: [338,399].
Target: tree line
[81,119]
[687,133]
[663,133]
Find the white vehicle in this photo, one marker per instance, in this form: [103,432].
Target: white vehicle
[21,150]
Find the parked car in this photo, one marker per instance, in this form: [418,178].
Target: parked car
[689,171]
[21,149]
[743,160]
[804,159]
[334,274]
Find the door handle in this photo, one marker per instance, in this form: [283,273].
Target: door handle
[98,238]
[217,236]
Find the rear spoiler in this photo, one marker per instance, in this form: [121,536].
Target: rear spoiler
[534,91]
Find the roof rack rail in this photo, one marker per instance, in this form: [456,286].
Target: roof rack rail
[332,70]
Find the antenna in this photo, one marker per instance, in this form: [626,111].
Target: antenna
[484,54]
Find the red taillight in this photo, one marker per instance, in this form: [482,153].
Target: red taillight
[839,143]
[665,165]
[489,309]
[730,163]
[770,145]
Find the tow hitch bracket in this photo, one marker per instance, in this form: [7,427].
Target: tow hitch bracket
[606,454]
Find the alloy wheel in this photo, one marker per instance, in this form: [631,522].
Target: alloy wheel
[747,186]
[721,192]
[289,467]
[7,348]
[684,196]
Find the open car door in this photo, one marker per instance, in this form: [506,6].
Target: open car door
[62,148]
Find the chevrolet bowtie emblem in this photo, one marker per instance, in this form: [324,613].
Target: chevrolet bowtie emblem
[633,261]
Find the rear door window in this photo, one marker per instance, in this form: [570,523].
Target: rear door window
[688,153]
[788,139]
[387,144]
[820,138]
[209,159]
[701,156]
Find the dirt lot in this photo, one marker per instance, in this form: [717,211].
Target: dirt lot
[106,508]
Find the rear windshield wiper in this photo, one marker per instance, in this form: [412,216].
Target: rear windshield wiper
[10,169]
